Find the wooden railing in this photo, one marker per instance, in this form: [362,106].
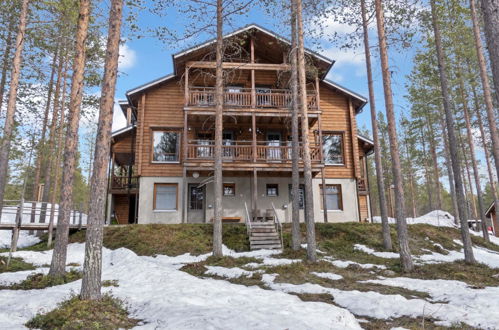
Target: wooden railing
[124,182]
[266,151]
[271,98]
[362,184]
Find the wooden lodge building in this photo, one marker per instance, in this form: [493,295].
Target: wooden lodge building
[162,161]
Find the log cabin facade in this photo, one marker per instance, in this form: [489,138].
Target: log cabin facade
[162,161]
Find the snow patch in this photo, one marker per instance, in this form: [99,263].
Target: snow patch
[329,276]
[437,218]
[368,250]
[234,272]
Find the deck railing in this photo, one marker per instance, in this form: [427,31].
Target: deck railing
[266,151]
[124,182]
[242,98]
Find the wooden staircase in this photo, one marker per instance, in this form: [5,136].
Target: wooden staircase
[263,235]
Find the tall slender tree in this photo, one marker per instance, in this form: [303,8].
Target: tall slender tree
[449,119]
[387,240]
[219,90]
[11,103]
[307,162]
[58,264]
[405,253]
[295,148]
[92,268]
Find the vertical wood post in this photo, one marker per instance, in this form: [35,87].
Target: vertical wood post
[353,135]
[185,142]
[253,91]
[253,133]
[186,86]
[255,193]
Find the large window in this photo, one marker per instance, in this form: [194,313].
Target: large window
[332,146]
[333,197]
[165,196]
[301,195]
[166,145]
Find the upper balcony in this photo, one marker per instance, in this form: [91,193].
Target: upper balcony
[243,98]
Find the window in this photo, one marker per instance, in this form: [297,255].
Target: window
[301,198]
[165,146]
[332,147]
[165,196]
[196,197]
[229,189]
[272,189]
[333,197]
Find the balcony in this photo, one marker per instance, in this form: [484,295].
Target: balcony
[246,98]
[124,182]
[246,152]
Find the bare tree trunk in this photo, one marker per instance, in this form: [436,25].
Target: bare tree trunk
[490,9]
[41,142]
[476,174]
[307,162]
[449,119]
[11,103]
[426,171]
[450,172]
[57,162]
[387,239]
[295,149]
[471,193]
[490,12]
[434,158]
[403,237]
[485,147]
[92,268]
[5,60]
[218,172]
[52,143]
[58,264]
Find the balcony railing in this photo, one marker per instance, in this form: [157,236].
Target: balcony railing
[362,184]
[242,98]
[124,182]
[243,151]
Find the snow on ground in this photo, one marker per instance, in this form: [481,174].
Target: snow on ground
[234,272]
[25,239]
[368,250]
[435,218]
[475,307]
[346,263]
[164,297]
[329,276]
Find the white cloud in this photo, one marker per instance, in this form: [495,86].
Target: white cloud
[336,77]
[119,120]
[128,57]
[342,57]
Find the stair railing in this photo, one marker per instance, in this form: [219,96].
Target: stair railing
[278,225]
[248,219]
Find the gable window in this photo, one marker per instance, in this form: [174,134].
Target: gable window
[165,196]
[229,189]
[165,146]
[301,195]
[334,199]
[272,189]
[332,147]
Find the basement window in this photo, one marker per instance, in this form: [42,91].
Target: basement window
[334,200]
[165,196]
[272,190]
[229,189]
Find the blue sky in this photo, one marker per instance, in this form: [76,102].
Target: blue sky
[148,58]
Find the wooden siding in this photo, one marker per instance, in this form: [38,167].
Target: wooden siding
[123,145]
[121,209]
[336,118]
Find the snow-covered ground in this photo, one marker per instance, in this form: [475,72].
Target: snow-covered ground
[25,239]
[9,211]
[435,218]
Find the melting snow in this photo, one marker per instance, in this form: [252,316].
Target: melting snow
[234,272]
[368,250]
[435,218]
[329,276]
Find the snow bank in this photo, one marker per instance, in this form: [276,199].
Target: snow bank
[437,218]
[346,263]
[25,239]
[234,272]
[329,276]
[368,250]
[166,298]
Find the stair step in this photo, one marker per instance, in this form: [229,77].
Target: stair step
[257,234]
[263,230]
[267,238]
[261,225]
[268,246]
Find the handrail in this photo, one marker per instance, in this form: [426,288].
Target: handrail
[278,225]
[248,219]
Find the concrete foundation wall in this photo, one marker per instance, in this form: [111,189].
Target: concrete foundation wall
[234,206]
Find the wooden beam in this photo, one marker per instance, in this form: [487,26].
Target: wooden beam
[355,144]
[255,193]
[253,133]
[186,87]
[239,66]
[141,134]
[324,208]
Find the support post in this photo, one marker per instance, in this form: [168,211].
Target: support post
[253,91]
[184,194]
[255,193]
[186,86]
[185,142]
[253,139]
[324,207]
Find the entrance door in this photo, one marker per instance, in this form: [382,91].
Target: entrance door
[274,140]
[196,204]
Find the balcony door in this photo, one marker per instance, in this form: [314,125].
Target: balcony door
[205,139]
[274,146]
[227,144]
[196,205]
